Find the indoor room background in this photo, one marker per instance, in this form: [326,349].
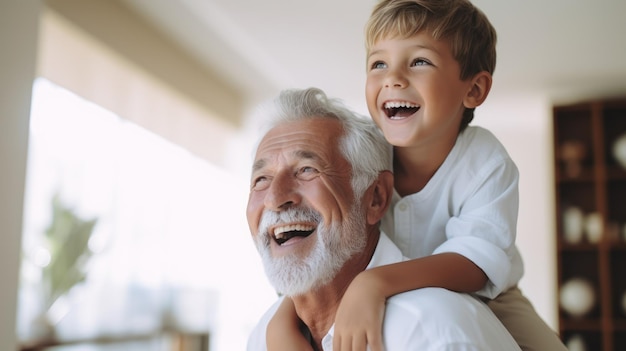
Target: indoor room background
[131,120]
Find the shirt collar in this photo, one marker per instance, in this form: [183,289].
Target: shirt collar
[386,252]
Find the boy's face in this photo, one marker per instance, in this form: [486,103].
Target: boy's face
[414,91]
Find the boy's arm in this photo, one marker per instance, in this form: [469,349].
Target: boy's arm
[359,319]
[283,330]
[448,270]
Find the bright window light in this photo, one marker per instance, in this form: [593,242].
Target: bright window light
[170,247]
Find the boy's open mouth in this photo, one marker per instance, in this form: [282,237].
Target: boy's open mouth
[282,234]
[400,109]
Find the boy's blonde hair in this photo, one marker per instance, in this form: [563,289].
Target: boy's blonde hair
[471,36]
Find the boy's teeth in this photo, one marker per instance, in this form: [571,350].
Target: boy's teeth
[399,104]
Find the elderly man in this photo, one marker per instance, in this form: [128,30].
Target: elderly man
[320,184]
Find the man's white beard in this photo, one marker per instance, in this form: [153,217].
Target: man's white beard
[294,275]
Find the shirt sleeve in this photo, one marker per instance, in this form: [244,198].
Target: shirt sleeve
[437,319]
[484,230]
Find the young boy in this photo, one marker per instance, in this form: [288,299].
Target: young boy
[429,65]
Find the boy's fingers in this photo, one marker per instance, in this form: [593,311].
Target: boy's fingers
[375,342]
[337,343]
[359,344]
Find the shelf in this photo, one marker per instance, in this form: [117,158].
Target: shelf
[590,186]
[581,324]
[585,176]
[582,247]
[618,247]
[616,173]
[620,325]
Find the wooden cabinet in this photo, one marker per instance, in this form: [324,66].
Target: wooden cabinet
[590,185]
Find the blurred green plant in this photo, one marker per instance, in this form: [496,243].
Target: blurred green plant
[68,244]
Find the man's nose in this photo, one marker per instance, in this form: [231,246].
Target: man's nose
[282,193]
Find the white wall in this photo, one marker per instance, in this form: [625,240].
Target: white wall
[18,40]
[523,124]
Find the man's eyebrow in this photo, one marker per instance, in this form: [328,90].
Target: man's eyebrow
[301,154]
[258,164]
[305,154]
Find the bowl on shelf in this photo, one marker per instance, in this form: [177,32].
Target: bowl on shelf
[577,297]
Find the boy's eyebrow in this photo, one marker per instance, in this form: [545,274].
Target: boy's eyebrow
[373,53]
[421,46]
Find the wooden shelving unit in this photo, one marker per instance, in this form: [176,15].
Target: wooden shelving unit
[589,178]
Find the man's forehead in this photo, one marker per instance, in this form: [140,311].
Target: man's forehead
[305,139]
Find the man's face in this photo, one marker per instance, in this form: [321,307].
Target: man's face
[301,209]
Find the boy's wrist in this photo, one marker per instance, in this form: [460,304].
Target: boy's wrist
[370,280]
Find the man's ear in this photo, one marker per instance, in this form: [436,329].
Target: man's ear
[380,198]
[479,89]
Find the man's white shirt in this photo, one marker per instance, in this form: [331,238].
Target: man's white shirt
[425,319]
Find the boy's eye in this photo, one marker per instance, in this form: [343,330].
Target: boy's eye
[420,62]
[378,65]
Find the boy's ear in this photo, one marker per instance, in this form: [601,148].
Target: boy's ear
[479,89]
[379,197]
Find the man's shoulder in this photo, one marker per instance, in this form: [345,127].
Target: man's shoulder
[256,338]
[433,299]
[439,318]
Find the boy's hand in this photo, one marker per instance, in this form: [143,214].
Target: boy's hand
[283,333]
[359,318]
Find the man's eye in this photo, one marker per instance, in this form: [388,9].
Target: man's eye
[307,171]
[260,183]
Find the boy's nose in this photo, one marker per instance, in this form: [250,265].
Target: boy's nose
[395,79]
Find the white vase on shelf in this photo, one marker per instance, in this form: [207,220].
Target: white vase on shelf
[624,303]
[619,150]
[577,297]
[576,343]
[594,227]
[573,224]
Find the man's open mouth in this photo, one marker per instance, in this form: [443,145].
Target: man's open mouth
[282,234]
[400,109]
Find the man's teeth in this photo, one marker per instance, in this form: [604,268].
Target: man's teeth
[396,104]
[279,232]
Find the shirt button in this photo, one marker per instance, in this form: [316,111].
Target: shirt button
[402,207]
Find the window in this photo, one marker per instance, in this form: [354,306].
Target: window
[170,245]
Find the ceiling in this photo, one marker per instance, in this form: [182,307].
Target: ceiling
[557,49]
